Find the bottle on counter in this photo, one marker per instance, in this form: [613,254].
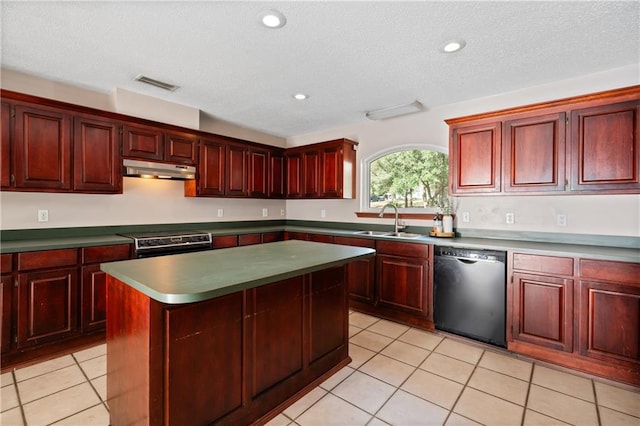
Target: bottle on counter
[437,223]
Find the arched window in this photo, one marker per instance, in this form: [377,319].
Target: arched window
[411,177]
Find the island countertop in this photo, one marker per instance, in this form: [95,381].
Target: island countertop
[194,277]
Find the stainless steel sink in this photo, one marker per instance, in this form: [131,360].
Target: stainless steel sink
[375,233]
[389,234]
[403,235]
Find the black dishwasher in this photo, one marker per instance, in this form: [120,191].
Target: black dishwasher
[470,293]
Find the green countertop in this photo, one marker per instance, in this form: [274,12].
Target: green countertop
[592,251]
[194,277]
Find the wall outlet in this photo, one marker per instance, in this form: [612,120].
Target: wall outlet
[265,212]
[323,213]
[561,220]
[220,213]
[282,212]
[465,217]
[43,215]
[511,219]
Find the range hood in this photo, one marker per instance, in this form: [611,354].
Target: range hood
[153,170]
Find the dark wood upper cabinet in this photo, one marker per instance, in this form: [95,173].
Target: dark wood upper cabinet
[294,174]
[258,173]
[211,170]
[237,170]
[143,142]
[475,158]
[278,175]
[5,141]
[310,173]
[338,163]
[533,152]
[181,148]
[322,170]
[42,148]
[605,147]
[97,163]
[599,150]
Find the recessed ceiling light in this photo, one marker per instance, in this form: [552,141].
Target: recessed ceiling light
[273,19]
[453,46]
[300,96]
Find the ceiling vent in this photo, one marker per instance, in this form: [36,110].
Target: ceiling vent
[157,83]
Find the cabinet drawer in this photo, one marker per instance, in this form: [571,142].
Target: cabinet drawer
[106,253]
[544,264]
[249,239]
[403,249]
[269,237]
[621,272]
[225,241]
[47,259]
[5,263]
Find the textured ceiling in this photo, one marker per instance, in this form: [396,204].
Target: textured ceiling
[349,57]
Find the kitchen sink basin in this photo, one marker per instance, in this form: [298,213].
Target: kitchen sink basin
[403,235]
[388,234]
[374,233]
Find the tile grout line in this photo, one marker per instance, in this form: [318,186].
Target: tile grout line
[526,400]
[15,383]
[595,400]
[89,381]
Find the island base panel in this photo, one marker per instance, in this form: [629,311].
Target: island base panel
[235,359]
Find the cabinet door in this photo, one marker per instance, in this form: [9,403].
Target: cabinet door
[475,158]
[97,164]
[94,300]
[605,148]
[403,283]
[329,311]
[360,273]
[142,142]
[277,323]
[294,175]
[258,173]
[610,322]
[180,148]
[207,335]
[42,148]
[6,286]
[211,180]
[331,172]
[543,311]
[609,312]
[237,171]
[5,141]
[277,178]
[47,306]
[311,174]
[533,153]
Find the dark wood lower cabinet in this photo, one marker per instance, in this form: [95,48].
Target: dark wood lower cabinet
[361,273]
[6,285]
[47,306]
[587,319]
[543,310]
[230,360]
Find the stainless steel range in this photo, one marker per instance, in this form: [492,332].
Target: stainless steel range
[151,244]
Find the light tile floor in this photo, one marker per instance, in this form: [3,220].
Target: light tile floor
[399,376]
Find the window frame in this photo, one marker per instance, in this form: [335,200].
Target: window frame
[365,176]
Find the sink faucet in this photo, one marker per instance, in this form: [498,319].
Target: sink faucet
[396,227]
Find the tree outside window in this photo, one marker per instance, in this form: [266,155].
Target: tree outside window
[409,179]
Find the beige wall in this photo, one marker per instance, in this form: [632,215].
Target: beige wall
[593,214]
[145,201]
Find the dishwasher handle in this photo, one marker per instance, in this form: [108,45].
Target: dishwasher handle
[471,255]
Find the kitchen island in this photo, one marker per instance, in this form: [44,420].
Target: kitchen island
[225,336]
